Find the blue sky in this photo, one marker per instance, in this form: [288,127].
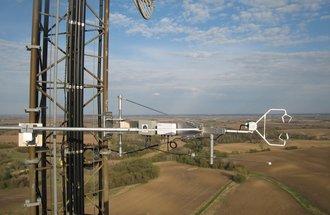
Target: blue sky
[197,57]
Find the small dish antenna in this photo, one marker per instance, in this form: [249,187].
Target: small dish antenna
[146,7]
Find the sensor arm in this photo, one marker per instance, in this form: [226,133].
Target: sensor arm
[253,127]
[27,129]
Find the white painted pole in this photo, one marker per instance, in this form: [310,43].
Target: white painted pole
[211,148]
[120,114]
[120,110]
[120,145]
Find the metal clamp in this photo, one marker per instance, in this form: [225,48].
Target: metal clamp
[32,204]
[34,161]
[29,47]
[67,152]
[107,152]
[29,110]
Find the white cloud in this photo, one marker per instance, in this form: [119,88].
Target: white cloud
[311,5]
[197,54]
[163,26]
[257,15]
[213,35]
[264,22]
[196,12]
[265,3]
[290,8]
[280,35]
[246,28]
[202,10]
[231,78]
[120,19]
[186,74]
[269,23]
[326,17]
[196,86]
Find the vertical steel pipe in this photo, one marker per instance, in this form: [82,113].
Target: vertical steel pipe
[106,56]
[43,104]
[105,102]
[55,107]
[34,67]
[99,103]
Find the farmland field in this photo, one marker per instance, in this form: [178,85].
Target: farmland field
[256,197]
[180,189]
[306,170]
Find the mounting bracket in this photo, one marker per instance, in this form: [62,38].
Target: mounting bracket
[32,204]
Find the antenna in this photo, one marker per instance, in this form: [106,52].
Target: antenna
[146,7]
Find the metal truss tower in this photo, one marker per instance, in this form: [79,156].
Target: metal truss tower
[70,84]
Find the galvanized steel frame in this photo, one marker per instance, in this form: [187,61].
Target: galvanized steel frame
[43,93]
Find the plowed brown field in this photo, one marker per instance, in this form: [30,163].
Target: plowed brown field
[12,201]
[306,170]
[256,197]
[180,189]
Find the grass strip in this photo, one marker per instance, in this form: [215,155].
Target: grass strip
[206,204]
[305,203]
